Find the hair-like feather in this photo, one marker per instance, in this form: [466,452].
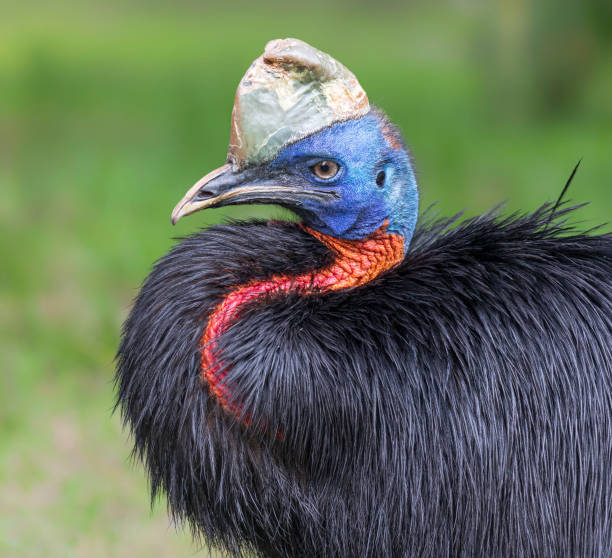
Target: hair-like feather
[564,191]
[458,405]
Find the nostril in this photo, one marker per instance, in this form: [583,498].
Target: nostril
[203,194]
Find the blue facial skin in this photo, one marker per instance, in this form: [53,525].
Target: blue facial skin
[362,151]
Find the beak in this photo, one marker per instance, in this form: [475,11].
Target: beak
[253,185]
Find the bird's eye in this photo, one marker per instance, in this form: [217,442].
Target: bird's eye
[325,170]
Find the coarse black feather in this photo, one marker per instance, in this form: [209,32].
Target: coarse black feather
[460,405]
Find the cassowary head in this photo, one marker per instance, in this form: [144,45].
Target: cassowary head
[304,136]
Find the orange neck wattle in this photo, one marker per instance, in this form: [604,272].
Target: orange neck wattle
[355,263]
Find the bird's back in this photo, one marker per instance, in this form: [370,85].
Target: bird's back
[458,405]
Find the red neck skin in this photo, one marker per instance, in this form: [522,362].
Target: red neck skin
[355,263]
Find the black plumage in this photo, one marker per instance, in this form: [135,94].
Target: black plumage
[458,405]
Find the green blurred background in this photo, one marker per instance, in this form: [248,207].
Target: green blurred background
[109,112]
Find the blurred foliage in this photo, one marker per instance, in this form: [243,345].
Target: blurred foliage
[108,112]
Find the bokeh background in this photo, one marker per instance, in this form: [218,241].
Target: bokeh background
[109,111]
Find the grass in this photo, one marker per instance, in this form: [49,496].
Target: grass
[108,114]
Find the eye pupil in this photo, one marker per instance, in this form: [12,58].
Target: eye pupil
[380,178]
[325,170]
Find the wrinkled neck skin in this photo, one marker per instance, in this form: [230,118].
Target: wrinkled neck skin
[355,263]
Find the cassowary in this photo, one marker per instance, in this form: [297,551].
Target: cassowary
[356,385]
